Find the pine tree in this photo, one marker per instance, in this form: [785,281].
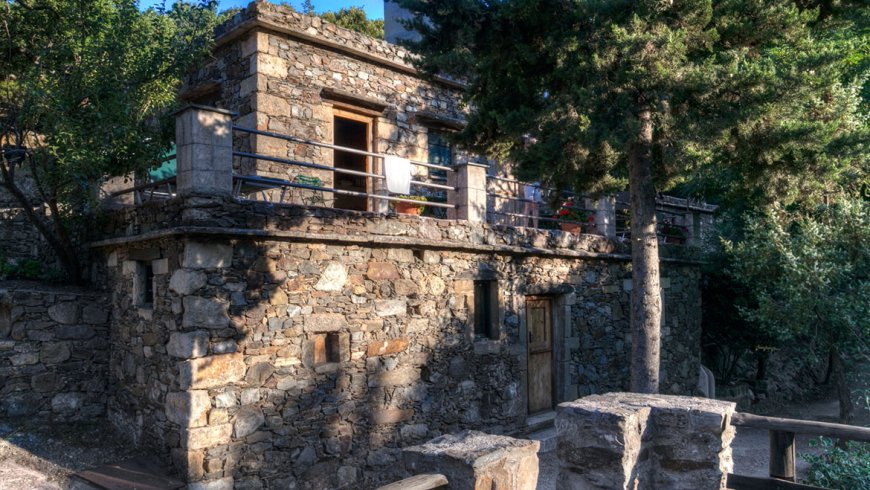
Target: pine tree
[590,94]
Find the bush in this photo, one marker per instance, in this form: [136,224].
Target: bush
[838,468]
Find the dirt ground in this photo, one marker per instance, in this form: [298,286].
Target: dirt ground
[40,456]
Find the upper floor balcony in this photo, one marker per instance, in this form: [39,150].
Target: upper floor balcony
[213,159]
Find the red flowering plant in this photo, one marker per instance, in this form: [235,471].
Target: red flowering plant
[670,230]
[569,211]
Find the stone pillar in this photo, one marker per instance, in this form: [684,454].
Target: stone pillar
[469,179]
[689,222]
[605,216]
[204,151]
[473,460]
[635,441]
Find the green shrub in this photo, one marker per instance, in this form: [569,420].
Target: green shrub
[838,468]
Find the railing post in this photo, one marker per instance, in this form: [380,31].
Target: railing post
[204,151]
[469,179]
[782,455]
[605,216]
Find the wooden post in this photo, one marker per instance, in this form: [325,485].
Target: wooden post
[782,455]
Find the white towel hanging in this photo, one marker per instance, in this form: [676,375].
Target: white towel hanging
[398,173]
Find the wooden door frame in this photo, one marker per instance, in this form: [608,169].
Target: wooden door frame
[371,137]
[562,299]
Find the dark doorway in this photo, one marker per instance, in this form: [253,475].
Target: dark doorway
[351,133]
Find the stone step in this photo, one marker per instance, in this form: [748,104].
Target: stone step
[540,421]
[547,438]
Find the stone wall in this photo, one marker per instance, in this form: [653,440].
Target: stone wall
[289,73]
[53,352]
[291,345]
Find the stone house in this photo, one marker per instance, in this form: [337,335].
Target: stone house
[274,324]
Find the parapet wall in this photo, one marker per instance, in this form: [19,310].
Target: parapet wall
[54,347]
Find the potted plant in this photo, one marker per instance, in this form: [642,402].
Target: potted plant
[402,207]
[673,233]
[575,219]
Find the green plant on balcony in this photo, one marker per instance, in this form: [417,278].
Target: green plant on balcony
[403,207]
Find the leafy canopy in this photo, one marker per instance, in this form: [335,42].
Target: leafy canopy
[809,271]
[557,85]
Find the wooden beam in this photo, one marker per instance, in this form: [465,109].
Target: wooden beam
[782,455]
[839,431]
[418,482]
[741,482]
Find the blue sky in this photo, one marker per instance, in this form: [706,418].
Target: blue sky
[374,8]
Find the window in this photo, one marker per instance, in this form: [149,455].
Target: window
[326,348]
[143,288]
[440,153]
[486,325]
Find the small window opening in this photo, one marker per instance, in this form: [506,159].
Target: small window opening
[326,348]
[144,285]
[486,310]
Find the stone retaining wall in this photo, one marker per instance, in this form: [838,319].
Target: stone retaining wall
[53,352]
[279,362]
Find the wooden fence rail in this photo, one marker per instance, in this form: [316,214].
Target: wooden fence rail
[782,449]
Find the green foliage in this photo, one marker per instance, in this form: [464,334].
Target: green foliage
[26,269]
[556,85]
[87,89]
[840,468]
[809,271]
[354,18]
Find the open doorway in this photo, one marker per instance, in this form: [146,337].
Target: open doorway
[351,131]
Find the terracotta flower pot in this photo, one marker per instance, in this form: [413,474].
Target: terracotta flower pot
[571,227]
[408,208]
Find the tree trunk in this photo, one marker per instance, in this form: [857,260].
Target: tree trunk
[646,307]
[65,251]
[844,394]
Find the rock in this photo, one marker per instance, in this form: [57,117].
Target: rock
[66,313]
[396,377]
[95,314]
[247,421]
[391,307]
[334,277]
[306,459]
[44,382]
[226,483]
[225,400]
[404,287]
[204,312]
[325,322]
[67,402]
[20,404]
[206,437]
[688,438]
[188,345]
[473,459]
[188,408]
[405,255]
[259,373]
[199,255]
[436,286]
[386,347]
[211,371]
[414,432]
[24,358]
[74,332]
[382,271]
[186,282]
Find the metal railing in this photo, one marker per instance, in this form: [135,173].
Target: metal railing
[502,204]
[284,184]
[782,448]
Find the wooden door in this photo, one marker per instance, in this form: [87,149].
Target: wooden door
[539,321]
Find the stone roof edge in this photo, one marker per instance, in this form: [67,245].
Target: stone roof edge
[256,22]
[372,240]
